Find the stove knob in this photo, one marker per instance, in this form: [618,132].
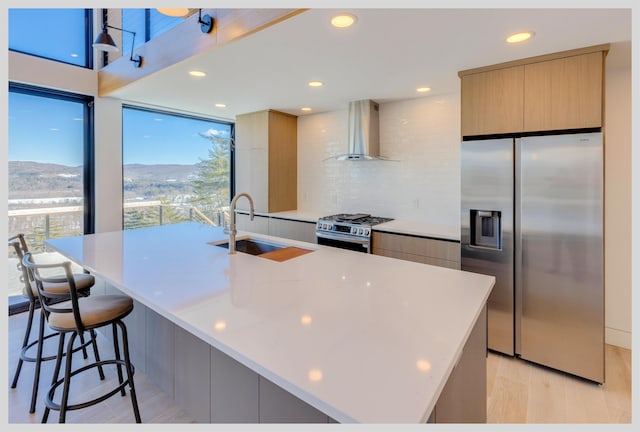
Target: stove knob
[367,232]
[353,230]
[359,231]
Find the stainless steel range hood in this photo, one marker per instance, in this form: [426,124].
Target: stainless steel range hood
[364,131]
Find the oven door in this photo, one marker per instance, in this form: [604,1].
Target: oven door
[344,242]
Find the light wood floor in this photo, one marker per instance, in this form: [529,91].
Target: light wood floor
[523,392]
[155,406]
[517,392]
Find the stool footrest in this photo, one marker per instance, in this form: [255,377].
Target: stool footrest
[25,357]
[56,406]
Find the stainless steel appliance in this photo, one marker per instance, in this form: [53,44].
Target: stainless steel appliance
[532,216]
[347,231]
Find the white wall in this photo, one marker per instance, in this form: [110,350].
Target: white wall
[423,184]
[41,72]
[618,206]
[108,157]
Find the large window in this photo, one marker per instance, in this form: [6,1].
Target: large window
[50,169]
[175,168]
[57,34]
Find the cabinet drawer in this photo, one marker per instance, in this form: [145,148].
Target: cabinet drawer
[259,224]
[421,246]
[417,258]
[294,230]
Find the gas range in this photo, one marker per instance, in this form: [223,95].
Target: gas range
[348,231]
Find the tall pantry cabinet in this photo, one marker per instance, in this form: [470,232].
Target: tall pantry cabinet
[266,157]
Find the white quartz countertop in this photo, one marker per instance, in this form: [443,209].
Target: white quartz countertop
[362,338]
[396,226]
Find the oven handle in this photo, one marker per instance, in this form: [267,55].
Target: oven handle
[339,237]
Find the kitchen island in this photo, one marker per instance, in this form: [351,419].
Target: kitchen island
[331,335]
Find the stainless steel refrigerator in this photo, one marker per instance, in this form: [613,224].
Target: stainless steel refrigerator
[532,216]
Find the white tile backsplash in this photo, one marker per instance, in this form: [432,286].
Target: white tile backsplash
[422,183]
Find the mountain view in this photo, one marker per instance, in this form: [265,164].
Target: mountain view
[33,184]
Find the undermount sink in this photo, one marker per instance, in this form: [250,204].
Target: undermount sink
[252,247]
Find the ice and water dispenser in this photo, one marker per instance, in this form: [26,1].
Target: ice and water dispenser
[486,230]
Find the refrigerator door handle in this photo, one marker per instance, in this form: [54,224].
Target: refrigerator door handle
[517,239]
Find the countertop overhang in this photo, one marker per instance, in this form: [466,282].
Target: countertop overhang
[363,338]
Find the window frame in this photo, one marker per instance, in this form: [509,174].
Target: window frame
[232,134]
[88,44]
[88,157]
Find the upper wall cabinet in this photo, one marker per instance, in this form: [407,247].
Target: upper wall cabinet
[564,94]
[552,92]
[492,101]
[266,160]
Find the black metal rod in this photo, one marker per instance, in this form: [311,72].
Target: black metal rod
[138,61]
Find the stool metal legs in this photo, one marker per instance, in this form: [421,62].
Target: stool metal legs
[39,358]
[64,406]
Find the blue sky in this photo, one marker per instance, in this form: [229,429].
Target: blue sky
[51,130]
[43,130]
[156,138]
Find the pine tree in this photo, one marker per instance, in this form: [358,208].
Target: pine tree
[212,184]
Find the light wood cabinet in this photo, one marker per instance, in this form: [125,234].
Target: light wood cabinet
[564,94]
[424,250]
[557,91]
[266,160]
[492,102]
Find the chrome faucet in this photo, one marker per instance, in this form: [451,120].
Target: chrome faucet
[232,223]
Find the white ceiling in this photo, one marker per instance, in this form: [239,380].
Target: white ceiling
[384,56]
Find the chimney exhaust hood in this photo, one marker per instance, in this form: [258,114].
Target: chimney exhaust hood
[364,132]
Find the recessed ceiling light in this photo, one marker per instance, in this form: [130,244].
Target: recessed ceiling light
[74,55]
[197,73]
[305,109]
[423,89]
[221,105]
[520,37]
[316,83]
[343,20]
[315,375]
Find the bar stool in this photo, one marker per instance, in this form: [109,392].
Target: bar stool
[75,316]
[83,283]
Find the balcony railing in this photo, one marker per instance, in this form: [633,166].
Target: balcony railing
[40,224]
